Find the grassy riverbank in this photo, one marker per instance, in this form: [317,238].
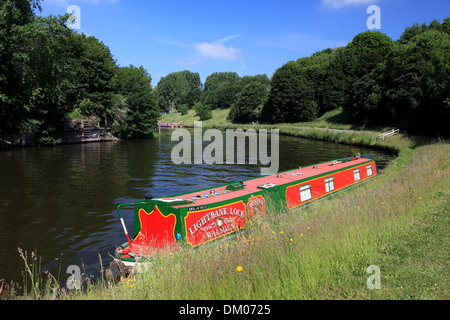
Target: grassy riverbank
[329,127]
[398,222]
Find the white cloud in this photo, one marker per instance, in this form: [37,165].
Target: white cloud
[335,4]
[230,37]
[214,50]
[217,50]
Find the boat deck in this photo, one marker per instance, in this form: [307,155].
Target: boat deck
[250,186]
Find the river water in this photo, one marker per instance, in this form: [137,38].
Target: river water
[60,201]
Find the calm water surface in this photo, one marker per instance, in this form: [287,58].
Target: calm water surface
[61,201]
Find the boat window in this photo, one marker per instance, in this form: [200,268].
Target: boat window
[329,184]
[369,170]
[357,174]
[305,193]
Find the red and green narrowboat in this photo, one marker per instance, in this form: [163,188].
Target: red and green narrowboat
[199,217]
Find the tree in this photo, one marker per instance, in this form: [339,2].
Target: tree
[415,30]
[184,110]
[334,88]
[368,106]
[362,55]
[215,79]
[41,85]
[203,111]
[178,88]
[291,97]
[135,85]
[14,53]
[368,48]
[410,87]
[417,84]
[261,78]
[95,68]
[249,102]
[315,70]
[223,96]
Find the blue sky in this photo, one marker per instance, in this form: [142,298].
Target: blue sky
[247,36]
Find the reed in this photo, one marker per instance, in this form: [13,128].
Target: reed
[38,284]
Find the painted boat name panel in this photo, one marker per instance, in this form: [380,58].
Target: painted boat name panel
[209,224]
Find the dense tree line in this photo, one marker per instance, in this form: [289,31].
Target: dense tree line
[183,90]
[376,81]
[48,72]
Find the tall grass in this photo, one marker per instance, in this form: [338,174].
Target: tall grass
[37,283]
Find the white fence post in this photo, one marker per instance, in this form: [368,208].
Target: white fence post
[388,133]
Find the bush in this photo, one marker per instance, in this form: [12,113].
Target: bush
[203,111]
[184,110]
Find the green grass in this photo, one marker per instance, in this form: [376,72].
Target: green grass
[329,127]
[219,117]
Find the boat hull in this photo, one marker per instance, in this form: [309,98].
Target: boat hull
[203,216]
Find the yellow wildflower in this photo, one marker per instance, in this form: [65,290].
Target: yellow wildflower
[239,269]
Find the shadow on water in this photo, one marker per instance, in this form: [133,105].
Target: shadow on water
[61,201]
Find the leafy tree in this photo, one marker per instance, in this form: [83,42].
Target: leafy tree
[223,96]
[95,68]
[368,49]
[291,97]
[203,111]
[20,60]
[215,79]
[249,102]
[315,70]
[178,88]
[417,83]
[41,85]
[223,93]
[135,85]
[184,110]
[334,88]
[368,107]
[362,55]
[410,88]
[261,78]
[410,32]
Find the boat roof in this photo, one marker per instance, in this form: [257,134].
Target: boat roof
[220,193]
